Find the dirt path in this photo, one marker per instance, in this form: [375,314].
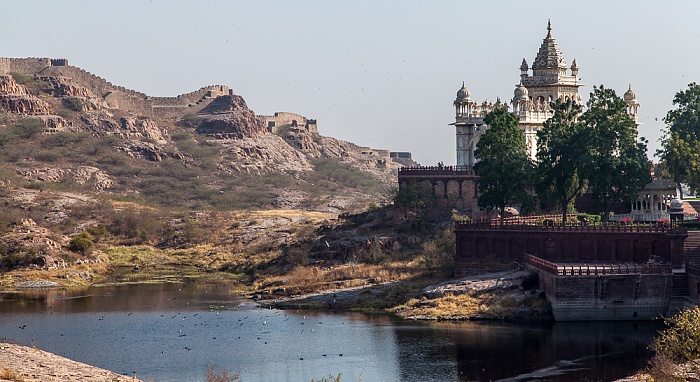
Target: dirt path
[34,365]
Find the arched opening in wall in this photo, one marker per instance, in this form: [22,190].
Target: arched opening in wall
[453,190]
[641,251]
[623,251]
[466,248]
[294,123]
[586,251]
[550,249]
[533,247]
[440,189]
[550,98]
[501,249]
[568,249]
[540,99]
[604,251]
[660,250]
[483,247]
[516,249]
[426,187]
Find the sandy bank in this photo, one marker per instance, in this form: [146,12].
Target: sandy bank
[33,365]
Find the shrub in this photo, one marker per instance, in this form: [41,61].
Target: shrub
[224,375]
[137,226]
[680,342]
[82,243]
[27,128]
[329,378]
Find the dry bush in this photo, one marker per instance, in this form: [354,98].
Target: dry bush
[8,375]
[677,344]
[223,375]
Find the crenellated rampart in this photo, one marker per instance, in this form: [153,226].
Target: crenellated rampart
[4,65]
[117,96]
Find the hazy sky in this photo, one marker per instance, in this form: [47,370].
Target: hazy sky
[377,73]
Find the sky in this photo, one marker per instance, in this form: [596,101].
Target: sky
[377,73]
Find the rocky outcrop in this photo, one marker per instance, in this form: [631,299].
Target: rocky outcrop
[15,99]
[262,155]
[63,87]
[8,85]
[82,175]
[133,127]
[142,150]
[79,103]
[55,123]
[23,105]
[229,117]
[99,122]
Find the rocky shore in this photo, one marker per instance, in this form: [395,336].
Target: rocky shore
[21,363]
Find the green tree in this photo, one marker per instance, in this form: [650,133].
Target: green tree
[503,165]
[82,243]
[562,154]
[413,198]
[680,143]
[617,166]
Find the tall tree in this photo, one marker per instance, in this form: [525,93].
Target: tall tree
[680,143]
[503,166]
[562,155]
[618,165]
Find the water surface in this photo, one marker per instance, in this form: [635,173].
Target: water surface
[172,332]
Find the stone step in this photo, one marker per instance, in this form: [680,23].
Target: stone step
[676,305]
[680,285]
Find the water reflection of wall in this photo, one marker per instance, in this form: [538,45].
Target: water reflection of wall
[482,352]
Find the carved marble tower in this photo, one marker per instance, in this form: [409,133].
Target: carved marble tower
[550,79]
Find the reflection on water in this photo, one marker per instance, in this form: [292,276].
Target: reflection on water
[172,332]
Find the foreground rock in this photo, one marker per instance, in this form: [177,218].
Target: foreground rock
[31,364]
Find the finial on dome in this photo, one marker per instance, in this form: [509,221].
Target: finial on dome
[630,96]
[523,66]
[549,27]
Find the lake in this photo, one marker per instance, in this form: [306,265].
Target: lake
[172,332]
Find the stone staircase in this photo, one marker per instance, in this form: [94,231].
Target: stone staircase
[695,204]
[691,248]
[680,293]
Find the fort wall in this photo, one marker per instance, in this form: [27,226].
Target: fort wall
[4,65]
[283,118]
[118,96]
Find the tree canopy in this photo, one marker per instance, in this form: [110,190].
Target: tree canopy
[562,156]
[617,166]
[680,144]
[503,166]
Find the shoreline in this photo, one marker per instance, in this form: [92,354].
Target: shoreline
[29,364]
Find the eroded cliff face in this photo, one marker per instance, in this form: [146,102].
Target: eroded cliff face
[229,117]
[15,99]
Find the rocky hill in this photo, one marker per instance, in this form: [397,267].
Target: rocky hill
[64,129]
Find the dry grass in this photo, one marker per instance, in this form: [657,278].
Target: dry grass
[312,279]
[467,305]
[8,375]
[67,277]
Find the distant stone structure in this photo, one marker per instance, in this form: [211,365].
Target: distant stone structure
[284,119]
[117,96]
